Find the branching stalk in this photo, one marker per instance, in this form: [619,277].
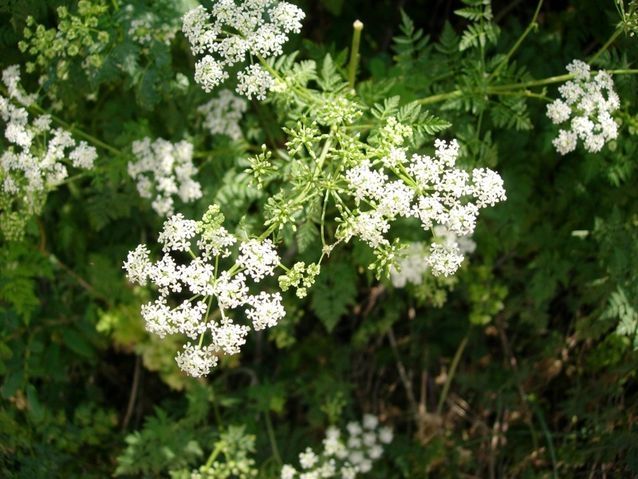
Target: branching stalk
[519,42]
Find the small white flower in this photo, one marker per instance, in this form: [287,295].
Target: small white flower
[487,187]
[83,156]
[223,114]
[580,69]
[308,458]
[558,111]
[288,472]
[386,435]
[369,439]
[177,233]
[255,82]
[444,260]
[138,265]
[259,259]
[198,276]
[195,360]
[365,466]
[166,170]
[266,311]
[375,452]
[370,421]
[370,226]
[209,73]
[229,337]
[565,142]
[231,292]
[354,428]
[410,267]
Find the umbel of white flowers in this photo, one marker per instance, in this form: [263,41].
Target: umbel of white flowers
[222,114]
[164,170]
[586,105]
[193,271]
[343,457]
[37,156]
[430,189]
[413,262]
[236,29]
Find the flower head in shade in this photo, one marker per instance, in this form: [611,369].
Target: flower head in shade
[585,108]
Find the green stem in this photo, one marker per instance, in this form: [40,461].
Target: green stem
[532,83]
[440,97]
[272,439]
[607,44]
[524,93]
[512,87]
[218,416]
[451,373]
[323,217]
[322,156]
[213,455]
[72,129]
[354,53]
[519,42]
[548,437]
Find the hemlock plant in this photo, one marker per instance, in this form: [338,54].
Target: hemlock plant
[328,177]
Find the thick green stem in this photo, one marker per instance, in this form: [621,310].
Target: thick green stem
[354,53]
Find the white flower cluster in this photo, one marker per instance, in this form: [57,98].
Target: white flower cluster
[343,457]
[223,114]
[415,260]
[587,104]
[162,170]
[260,29]
[201,281]
[37,156]
[428,188]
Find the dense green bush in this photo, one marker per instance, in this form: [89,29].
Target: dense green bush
[518,361]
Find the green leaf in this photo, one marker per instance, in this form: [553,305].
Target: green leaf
[36,410]
[329,79]
[11,384]
[333,292]
[78,344]
[333,6]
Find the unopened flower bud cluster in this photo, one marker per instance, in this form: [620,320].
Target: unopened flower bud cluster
[413,263]
[430,189]
[190,268]
[164,170]
[585,106]
[37,156]
[345,455]
[223,113]
[232,31]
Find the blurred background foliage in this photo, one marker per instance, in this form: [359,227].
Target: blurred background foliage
[522,366]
